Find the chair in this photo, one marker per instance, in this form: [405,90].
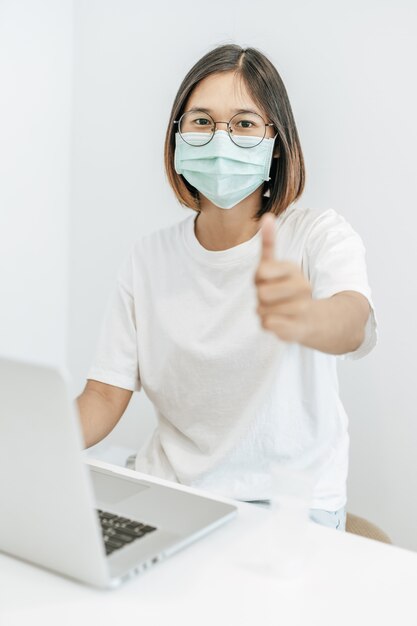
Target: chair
[360,526]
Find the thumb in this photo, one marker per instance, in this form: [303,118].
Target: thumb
[268,236]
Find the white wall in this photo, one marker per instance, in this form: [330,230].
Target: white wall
[348,68]
[35,107]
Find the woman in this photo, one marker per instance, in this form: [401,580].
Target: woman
[232,319]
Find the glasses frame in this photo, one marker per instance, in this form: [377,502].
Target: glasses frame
[229,132]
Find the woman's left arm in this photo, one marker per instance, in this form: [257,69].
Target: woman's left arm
[335,325]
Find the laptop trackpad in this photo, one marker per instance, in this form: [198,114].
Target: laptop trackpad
[112,490]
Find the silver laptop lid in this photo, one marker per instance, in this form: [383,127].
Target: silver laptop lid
[46,497]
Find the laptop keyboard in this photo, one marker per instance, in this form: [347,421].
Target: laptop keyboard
[119,531]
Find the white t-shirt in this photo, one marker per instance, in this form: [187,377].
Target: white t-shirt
[229,395]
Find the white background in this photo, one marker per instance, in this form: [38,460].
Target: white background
[86,90]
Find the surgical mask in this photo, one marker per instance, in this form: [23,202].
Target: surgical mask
[222,171]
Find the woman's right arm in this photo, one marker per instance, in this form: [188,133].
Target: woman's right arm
[100,407]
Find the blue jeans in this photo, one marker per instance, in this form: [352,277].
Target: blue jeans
[332,519]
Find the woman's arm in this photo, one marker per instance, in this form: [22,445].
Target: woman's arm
[101,406]
[337,324]
[286,306]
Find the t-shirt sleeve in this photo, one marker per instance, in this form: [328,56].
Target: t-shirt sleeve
[336,262]
[115,361]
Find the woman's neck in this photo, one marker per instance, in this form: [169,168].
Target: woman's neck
[220,229]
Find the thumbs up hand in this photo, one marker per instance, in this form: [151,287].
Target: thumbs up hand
[284,295]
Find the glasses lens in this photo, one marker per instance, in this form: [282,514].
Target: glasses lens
[196,127]
[247,129]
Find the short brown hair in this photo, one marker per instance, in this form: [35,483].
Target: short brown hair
[268,91]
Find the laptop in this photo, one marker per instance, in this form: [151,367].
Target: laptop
[89,523]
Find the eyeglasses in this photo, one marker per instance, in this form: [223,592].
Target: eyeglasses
[197,128]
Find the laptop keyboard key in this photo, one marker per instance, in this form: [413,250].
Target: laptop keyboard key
[108,516]
[125,538]
[114,543]
[148,529]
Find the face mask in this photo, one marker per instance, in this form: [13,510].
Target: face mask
[222,171]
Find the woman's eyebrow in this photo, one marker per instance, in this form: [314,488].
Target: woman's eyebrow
[234,111]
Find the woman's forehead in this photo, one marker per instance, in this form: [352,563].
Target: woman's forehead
[223,93]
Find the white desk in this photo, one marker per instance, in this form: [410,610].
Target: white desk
[350,580]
